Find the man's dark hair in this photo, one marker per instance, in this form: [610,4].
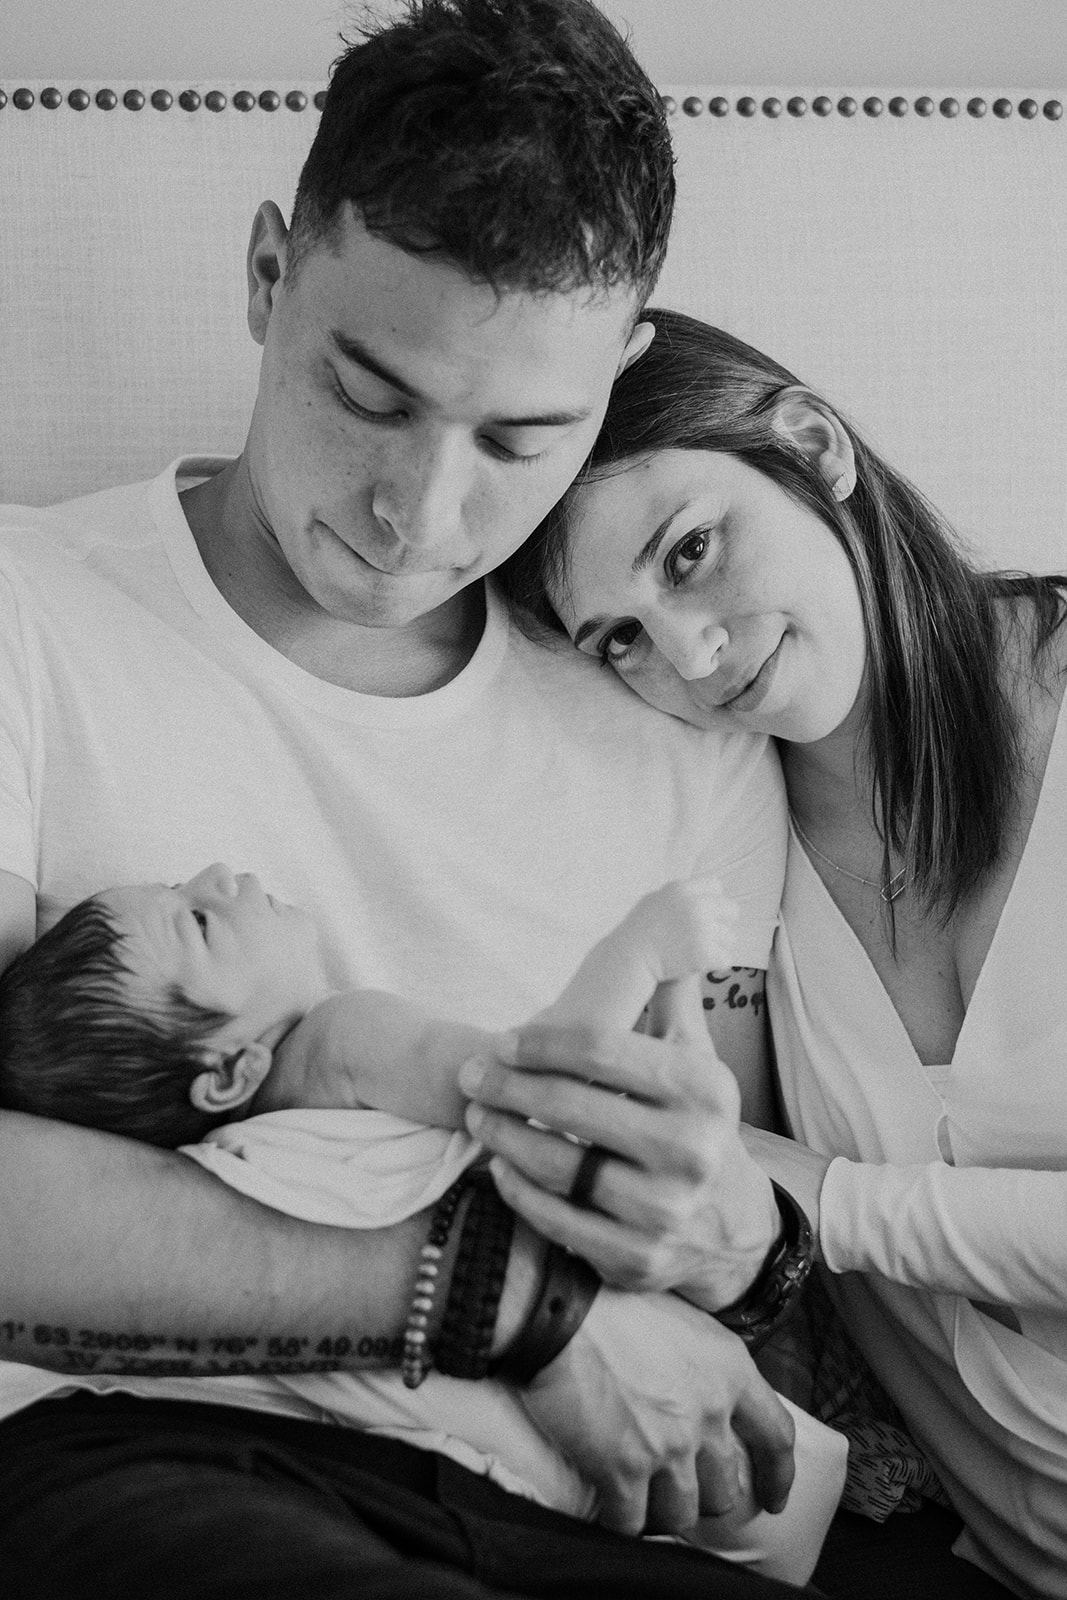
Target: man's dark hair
[73,1047]
[518,139]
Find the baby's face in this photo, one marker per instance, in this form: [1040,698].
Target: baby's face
[227,944]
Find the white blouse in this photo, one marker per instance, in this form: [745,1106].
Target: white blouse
[950,1189]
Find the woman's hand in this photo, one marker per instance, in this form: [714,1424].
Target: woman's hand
[678,1203]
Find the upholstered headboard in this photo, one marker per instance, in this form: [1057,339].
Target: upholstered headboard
[903,251]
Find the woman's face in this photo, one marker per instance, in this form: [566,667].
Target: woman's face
[715,595]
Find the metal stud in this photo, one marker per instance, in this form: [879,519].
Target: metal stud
[162,99]
[51,98]
[3,99]
[23,99]
[873,106]
[898,106]
[772,106]
[692,106]
[215,100]
[847,106]
[924,106]
[720,106]
[1028,109]
[1053,110]
[78,100]
[797,106]
[320,101]
[244,100]
[976,107]
[270,100]
[189,100]
[1002,108]
[133,100]
[296,100]
[822,105]
[106,99]
[746,106]
[949,107]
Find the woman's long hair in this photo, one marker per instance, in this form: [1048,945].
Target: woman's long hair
[944,744]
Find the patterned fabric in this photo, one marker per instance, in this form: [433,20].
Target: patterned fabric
[813,1361]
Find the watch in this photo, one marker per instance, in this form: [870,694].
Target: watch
[768,1301]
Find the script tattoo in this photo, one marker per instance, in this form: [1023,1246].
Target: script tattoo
[736,988]
[85,1350]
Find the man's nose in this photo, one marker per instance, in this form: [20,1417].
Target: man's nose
[691,644]
[422,501]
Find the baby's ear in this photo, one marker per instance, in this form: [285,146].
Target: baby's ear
[229,1082]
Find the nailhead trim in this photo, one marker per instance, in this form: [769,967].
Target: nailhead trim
[24,99]
[873,106]
[848,106]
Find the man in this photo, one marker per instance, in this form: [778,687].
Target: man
[325,691]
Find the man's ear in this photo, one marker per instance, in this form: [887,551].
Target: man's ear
[265,266]
[819,434]
[229,1082]
[636,345]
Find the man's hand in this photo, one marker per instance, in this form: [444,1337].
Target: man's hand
[679,1203]
[655,1404]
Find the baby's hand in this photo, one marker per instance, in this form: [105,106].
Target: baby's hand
[685,927]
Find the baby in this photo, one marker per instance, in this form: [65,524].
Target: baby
[201,1012]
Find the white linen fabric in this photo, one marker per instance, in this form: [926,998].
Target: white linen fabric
[365,1169]
[950,1192]
[465,847]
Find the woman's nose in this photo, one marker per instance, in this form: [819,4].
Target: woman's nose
[691,644]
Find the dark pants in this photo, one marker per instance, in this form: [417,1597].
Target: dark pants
[908,1557]
[121,1497]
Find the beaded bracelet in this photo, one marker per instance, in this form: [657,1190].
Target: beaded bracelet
[415,1361]
[465,1338]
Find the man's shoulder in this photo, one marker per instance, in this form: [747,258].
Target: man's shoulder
[78,541]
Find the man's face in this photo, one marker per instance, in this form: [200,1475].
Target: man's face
[412,427]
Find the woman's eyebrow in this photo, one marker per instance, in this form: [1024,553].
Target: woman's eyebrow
[644,558]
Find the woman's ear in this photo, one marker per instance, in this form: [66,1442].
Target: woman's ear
[818,433]
[229,1082]
[636,345]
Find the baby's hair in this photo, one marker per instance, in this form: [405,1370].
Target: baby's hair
[73,1045]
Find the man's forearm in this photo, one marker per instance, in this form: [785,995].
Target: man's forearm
[119,1257]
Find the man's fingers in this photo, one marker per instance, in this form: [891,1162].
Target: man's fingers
[625,1127]
[627,1062]
[673,1500]
[623,1507]
[766,1428]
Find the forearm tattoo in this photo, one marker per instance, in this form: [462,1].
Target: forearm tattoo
[87,1350]
[736,988]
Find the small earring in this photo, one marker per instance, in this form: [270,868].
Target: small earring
[843,486]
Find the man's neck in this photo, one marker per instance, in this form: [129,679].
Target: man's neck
[253,578]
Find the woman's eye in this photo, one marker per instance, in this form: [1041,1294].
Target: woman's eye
[200,918]
[617,645]
[687,554]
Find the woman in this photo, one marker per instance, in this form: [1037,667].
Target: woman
[734,551]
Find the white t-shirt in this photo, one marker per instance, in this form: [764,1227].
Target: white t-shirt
[465,847]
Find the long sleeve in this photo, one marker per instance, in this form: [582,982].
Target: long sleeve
[990,1234]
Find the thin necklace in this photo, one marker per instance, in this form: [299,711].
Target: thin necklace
[889,891]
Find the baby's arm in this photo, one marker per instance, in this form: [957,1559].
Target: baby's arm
[365,1047]
[671,934]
